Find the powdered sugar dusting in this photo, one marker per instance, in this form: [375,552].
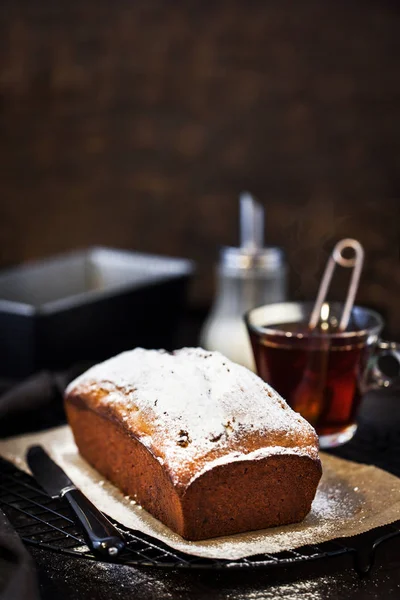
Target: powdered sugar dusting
[259,454]
[193,407]
[351,499]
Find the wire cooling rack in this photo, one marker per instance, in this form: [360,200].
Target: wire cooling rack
[49,523]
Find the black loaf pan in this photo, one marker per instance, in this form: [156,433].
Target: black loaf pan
[88,305]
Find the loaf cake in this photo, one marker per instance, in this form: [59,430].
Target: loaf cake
[202,443]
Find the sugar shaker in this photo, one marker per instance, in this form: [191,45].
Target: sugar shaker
[247,276]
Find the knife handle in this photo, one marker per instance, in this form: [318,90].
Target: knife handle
[102,536]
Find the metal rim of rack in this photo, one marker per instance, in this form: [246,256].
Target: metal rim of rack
[49,524]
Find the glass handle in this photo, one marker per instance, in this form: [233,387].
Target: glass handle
[385,365]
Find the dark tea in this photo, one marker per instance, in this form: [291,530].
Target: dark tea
[320,372]
[317,374]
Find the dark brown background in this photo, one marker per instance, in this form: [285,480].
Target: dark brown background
[136,124]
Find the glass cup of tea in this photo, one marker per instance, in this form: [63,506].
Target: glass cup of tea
[321,373]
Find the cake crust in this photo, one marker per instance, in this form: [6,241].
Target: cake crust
[219,455]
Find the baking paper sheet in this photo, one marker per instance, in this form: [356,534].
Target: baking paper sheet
[351,499]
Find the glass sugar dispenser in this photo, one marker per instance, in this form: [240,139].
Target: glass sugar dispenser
[247,276]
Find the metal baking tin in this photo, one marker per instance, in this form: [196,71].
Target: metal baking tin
[88,305]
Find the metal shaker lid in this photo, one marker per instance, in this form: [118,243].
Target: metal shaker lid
[252,255]
[267,260]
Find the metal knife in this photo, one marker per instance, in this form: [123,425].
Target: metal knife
[100,534]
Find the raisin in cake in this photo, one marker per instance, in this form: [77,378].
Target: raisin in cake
[202,443]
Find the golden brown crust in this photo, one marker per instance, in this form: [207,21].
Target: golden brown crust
[124,461]
[228,498]
[193,409]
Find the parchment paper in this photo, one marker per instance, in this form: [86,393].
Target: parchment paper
[351,499]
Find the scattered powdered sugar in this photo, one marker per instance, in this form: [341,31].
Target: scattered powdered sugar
[193,406]
[337,511]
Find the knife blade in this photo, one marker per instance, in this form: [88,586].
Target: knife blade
[100,533]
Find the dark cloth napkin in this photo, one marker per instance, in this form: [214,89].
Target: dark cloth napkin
[36,403]
[32,405]
[17,572]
